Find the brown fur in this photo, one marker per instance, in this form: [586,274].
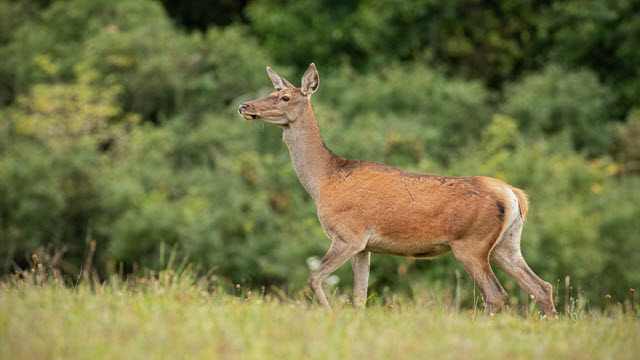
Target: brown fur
[367,207]
[411,212]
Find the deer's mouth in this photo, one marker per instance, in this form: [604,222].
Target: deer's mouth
[249,116]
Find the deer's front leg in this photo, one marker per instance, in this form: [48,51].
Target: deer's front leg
[338,254]
[360,264]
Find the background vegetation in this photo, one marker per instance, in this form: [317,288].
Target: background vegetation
[118,125]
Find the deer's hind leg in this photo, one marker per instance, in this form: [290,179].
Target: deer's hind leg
[360,264]
[475,259]
[508,257]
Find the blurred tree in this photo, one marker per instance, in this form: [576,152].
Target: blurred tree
[63,33]
[61,114]
[300,32]
[478,39]
[201,14]
[557,101]
[12,15]
[402,109]
[491,41]
[627,150]
[601,35]
[133,45]
[49,167]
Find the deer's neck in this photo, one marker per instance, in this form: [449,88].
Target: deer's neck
[311,158]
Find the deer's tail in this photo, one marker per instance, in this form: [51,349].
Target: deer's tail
[523,201]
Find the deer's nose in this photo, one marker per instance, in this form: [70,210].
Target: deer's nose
[242,107]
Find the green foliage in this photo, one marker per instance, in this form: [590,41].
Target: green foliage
[118,128]
[602,36]
[401,110]
[287,30]
[48,198]
[556,101]
[474,38]
[132,44]
[62,113]
[628,148]
[491,41]
[223,64]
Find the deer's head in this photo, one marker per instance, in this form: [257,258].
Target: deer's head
[286,104]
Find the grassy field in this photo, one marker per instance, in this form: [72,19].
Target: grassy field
[170,317]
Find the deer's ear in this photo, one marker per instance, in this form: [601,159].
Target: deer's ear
[278,81]
[310,80]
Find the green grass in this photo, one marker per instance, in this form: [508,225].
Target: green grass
[171,317]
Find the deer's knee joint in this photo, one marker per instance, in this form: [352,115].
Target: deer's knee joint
[314,280]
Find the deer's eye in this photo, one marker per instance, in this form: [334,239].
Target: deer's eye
[285,98]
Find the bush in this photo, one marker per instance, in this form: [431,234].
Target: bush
[572,103]
[408,112]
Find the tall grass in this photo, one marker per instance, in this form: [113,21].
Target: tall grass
[174,315]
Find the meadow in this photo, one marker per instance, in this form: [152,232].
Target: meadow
[179,316]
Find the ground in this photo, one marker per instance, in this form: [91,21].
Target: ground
[170,318]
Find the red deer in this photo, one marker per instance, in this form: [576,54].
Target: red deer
[366,207]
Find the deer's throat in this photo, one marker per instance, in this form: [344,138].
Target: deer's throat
[311,158]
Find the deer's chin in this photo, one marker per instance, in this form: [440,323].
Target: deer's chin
[275,121]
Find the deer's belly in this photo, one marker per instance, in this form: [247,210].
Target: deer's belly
[425,249]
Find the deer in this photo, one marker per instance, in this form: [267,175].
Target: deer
[366,207]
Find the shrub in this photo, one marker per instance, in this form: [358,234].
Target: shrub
[557,101]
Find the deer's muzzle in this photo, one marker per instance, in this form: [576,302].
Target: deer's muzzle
[241,110]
